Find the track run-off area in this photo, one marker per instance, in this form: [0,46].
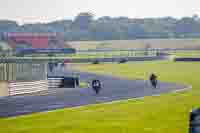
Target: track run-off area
[114,89]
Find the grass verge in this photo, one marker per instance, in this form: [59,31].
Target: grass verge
[168,113]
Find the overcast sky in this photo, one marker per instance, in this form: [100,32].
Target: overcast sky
[47,10]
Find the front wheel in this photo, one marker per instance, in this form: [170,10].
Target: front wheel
[97,90]
[154,83]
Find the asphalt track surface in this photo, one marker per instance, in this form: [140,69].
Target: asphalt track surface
[113,89]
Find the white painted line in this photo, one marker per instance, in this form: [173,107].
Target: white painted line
[134,99]
[182,90]
[117,101]
[156,95]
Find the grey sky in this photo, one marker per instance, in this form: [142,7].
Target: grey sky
[47,10]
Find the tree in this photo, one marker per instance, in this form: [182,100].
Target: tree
[8,26]
[187,26]
[84,27]
[195,17]
[83,21]
[1,48]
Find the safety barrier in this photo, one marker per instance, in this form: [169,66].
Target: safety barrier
[54,82]
[188,59]
[83,60]
[62,82]
[18,88]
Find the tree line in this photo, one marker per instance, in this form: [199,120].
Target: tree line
[85,27]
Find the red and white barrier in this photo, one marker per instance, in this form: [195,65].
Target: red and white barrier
[18,88]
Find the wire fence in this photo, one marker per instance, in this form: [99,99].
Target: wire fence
[23,71]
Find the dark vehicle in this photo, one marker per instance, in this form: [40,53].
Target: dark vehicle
[123,61]
[97,86]
[195,121]
[153,80]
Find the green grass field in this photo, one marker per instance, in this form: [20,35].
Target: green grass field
[131,53]
[128,44]
[111,55]
[139,43]
[188,54]
[91,55]
[168,113]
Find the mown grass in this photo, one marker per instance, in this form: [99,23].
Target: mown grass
[111,54]
[91,55]
[168,113]
[188,54]
[138,43]
[83,85]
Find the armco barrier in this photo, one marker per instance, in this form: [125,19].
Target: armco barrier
[117,59]
[62,82]
[84,60]
[18,88]
[55,82]
[188,59]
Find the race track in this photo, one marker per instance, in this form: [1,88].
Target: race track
[113,89]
